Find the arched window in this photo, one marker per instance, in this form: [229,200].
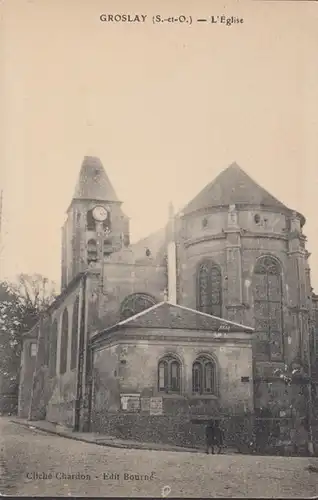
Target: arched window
[316,334]
[135,303]
[46,341]
[268,309]
[209,292]
[64,342]
[203,376]
[90,221]
[53,349]
[91,251]
[169,374]
[74,334]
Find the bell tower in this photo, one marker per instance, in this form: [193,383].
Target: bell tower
[95,226]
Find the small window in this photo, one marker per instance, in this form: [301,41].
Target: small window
[204,222]
[33,349]
[257,218]
[126,240]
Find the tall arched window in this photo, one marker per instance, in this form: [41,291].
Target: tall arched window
[91,251]
[169,374]
[268,309]
[204,376]
[135,303]
[53,349]
[315,334]
[74,334]
[46,341]
[209,289]
[64,342]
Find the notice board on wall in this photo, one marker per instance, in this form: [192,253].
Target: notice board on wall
[130,402]
[156,406]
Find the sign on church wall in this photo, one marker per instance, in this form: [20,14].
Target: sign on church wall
[145,404]
[130,402]
[156,406]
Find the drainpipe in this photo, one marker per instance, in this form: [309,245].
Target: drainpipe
[80,362]
[310,403]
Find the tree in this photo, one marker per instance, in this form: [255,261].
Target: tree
[35,291]
[21,303]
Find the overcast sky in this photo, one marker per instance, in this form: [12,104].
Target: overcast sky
[166,108]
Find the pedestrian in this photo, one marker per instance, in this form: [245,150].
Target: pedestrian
[218,437]
[209,437]
[214,437]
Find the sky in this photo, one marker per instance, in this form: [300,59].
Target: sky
[165,107]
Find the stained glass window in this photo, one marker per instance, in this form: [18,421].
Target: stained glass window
[64,342]
[169,374]
[268,311]
[209,294]
[203,376]
[135,303]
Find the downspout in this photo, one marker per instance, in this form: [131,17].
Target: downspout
[80,362]
[89,379]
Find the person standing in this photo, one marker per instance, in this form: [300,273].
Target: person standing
[218,437]
[214,437]
[209,437]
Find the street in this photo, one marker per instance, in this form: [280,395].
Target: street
[33,463]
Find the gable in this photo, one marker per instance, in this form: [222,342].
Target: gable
[169,316]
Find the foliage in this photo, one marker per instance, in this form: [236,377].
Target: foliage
[21,303]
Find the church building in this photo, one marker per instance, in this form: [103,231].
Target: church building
[193,322]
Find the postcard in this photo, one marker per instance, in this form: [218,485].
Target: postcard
[159,248]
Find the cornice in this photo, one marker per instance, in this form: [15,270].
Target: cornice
[267,235]
[238,306]
[298,309]
[215,339]
[202,239]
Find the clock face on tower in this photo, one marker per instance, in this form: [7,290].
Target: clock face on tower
[100,213]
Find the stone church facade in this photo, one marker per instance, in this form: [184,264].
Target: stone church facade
[148,339]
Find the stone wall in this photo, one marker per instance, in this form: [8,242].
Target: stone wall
[119,279]
[131,367]
[60,408]
[176,430]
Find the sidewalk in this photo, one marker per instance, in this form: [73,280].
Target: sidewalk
[99,439]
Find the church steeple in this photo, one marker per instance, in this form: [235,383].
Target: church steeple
[96,225]
[93,182]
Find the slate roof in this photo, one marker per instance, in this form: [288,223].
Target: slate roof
[93,182]
[171,316]
[233,186]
